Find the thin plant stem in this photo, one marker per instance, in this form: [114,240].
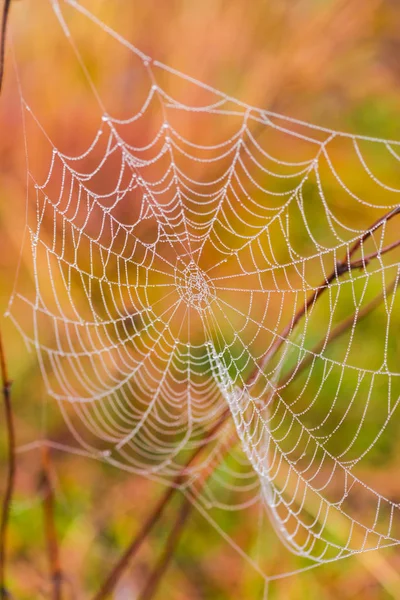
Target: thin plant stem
[53,551]
[4,21]
[337,331]
[113,578]
[118,569]
[6,383]
[180,522]
[178,528]
[344,266]
[341,267]
[10,482]
[168,551]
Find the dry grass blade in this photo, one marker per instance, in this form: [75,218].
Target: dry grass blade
[49,526]
[6,9]
[10,482]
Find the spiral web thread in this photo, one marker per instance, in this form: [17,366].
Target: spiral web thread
[171,292]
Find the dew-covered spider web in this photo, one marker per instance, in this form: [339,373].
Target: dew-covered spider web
[205,265]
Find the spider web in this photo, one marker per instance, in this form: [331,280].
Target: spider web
[203,254]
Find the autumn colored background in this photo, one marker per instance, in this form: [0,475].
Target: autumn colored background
[332,63]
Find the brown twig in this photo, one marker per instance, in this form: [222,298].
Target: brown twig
[115,574]
[4,21]
[53,552]
[177,530]
[339,330]
[178,527]
[344,266]
[6,385]
[113,578]
[168,551]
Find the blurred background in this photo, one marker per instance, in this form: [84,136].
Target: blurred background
[332,63]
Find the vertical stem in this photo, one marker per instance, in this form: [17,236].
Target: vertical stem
[6,8]
[50,528]
[178,527]
[9,419]
[168,552]
[120,567]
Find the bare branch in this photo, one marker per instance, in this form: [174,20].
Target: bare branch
[117,571]
[365,260]
[6,9]
[341,267]
[49,526]
[178,527]
[168,551]
[10,484]
[385,219]
[184,512]
[344,266]
[337,332]
[115,575]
